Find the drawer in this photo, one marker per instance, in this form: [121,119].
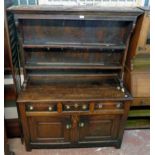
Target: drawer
[108,105]
[75,106]
[41,107]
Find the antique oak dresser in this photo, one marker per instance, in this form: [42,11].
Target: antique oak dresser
[73,59]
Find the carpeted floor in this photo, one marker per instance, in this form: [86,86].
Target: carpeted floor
[135,142]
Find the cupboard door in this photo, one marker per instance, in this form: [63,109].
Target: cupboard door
[53,130]
[98,128]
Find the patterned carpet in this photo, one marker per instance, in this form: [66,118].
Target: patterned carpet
[135,142]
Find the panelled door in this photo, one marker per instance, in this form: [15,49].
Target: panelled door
[98,128]
[52,129]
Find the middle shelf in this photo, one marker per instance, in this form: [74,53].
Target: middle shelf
[50,65]
[74,45]
[44,58]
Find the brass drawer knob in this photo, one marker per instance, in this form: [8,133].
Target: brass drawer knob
[50,108]
[100,106]
[81,124]
[31,107]
[125,95]
[67,107]
[118,87]
[118,105]
[84,107]
[123,90]
[76,105]
[68,126]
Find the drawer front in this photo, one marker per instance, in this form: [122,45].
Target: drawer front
[75,106]
[41,107]
[108,105]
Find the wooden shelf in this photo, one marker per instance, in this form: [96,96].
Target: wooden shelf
[76,45]
[74,75]
[73,66]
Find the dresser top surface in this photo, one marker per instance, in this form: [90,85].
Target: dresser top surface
[72,91]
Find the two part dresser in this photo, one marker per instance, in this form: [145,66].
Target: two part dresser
[73,59]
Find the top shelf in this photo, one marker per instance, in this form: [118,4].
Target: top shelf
[47,8]
[75,45]
[76,12]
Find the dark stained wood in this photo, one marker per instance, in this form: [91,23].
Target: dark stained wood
[12,128]
[91,107]
[26,134]
[74,129]
[73,92]
[11,68]
[10,92]
[100,12]
[122,123]
[59,107]
[73,58]
[11,56]
[7,63]
[75,45]
[37,59]
[49,129]
[45,113]
[98,128]
[61,33]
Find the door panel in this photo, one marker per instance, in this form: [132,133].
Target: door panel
[98,128]
[49,129]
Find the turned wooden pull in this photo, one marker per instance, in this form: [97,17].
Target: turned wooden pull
[75,119]
[91,106]
[59,107]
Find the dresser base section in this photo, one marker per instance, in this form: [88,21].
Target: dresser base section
[110,143]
